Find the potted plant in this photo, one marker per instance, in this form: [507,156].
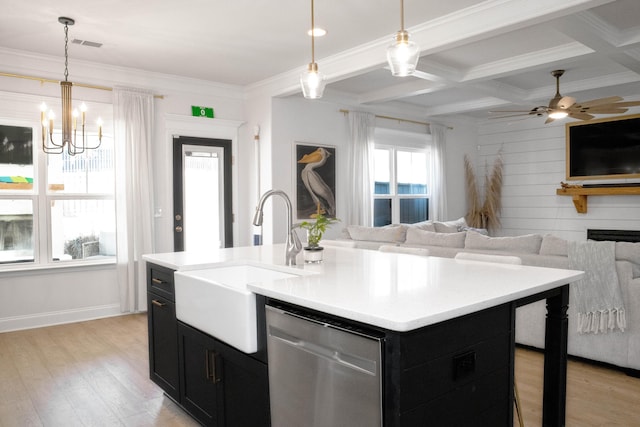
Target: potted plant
[315,230]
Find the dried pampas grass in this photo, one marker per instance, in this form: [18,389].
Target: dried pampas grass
[493,196]
[487,214]
[474,215]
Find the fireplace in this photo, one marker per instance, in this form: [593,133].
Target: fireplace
[614,235]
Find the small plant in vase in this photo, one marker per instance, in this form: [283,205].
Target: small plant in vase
[315,230]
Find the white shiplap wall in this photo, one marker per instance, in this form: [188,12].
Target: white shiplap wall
[534,165]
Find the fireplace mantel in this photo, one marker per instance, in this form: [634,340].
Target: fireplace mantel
[580,194]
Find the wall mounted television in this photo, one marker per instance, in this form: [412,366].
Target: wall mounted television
[603,148]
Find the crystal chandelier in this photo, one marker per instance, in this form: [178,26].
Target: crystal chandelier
[75,143]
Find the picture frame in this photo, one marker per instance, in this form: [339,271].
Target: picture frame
[16,145]
[315,180]
[16,157]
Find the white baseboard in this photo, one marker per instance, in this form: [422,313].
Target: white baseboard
[39,320]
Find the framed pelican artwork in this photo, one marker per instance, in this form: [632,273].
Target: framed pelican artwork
[315,180]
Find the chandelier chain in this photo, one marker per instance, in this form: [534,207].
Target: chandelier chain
[66,52]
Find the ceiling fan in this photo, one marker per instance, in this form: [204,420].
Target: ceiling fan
[562,106]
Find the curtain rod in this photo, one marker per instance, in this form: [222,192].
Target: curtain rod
[44,80]
[343,111]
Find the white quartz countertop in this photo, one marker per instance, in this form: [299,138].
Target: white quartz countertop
[399,292]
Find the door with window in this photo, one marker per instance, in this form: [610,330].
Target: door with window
[202,214]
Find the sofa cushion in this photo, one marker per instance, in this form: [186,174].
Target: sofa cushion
[430,238]
[390,233]
[553,245]
[528,243]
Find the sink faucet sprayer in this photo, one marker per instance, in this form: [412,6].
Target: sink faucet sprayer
[293,246]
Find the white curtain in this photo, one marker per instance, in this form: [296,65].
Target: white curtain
[359,205]
[438,201]
[133,113]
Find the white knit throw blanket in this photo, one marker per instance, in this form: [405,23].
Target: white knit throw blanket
[598,297]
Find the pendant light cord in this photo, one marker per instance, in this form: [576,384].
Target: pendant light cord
[401,15]
[313,29]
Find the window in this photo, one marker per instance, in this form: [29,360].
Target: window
[54,208]
[401,184]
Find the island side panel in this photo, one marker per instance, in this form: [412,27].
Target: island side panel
[457,372]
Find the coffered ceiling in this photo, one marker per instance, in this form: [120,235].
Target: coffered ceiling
[477,56]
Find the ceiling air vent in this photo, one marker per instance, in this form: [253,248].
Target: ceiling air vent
[86,43]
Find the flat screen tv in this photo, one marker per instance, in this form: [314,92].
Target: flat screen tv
[604,148]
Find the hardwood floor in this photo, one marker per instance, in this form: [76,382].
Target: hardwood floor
[596,396]
[92,373]
[96,374]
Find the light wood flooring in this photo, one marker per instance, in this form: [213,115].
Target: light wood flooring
[96,374]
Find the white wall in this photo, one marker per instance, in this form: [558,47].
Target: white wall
[534,166]
[310,122]
[31,298]
[321,122]
[461,140]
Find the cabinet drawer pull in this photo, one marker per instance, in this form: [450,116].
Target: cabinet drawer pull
[157,281]
[211,360]
[158,303]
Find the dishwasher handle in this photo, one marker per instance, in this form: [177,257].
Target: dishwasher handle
[360,364]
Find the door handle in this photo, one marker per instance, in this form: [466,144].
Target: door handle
[211,366]
[157,303]
[358,363]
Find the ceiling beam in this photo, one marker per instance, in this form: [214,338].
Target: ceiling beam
[478,22]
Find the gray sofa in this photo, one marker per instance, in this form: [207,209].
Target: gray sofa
[446,239]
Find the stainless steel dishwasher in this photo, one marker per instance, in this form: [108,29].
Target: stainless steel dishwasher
[321,374]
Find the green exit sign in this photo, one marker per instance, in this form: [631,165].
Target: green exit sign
[202,111]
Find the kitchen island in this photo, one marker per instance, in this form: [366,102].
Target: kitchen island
[446,326]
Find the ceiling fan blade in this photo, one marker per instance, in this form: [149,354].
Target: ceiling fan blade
[510,115]
[600,101]
[626,104]
[607,109]
[581,116]
[566,102]
[510,111]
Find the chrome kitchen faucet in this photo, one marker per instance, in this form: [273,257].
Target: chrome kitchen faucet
[293,245]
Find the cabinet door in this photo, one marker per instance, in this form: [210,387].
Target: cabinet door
[163,344]
[201,376]
[246,389]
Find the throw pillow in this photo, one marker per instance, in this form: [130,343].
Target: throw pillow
[424,225]
[528,243]
[430,238]
[441,227]
[394,233]
[629,251]
[477,230]
[553,245]
[450,226]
